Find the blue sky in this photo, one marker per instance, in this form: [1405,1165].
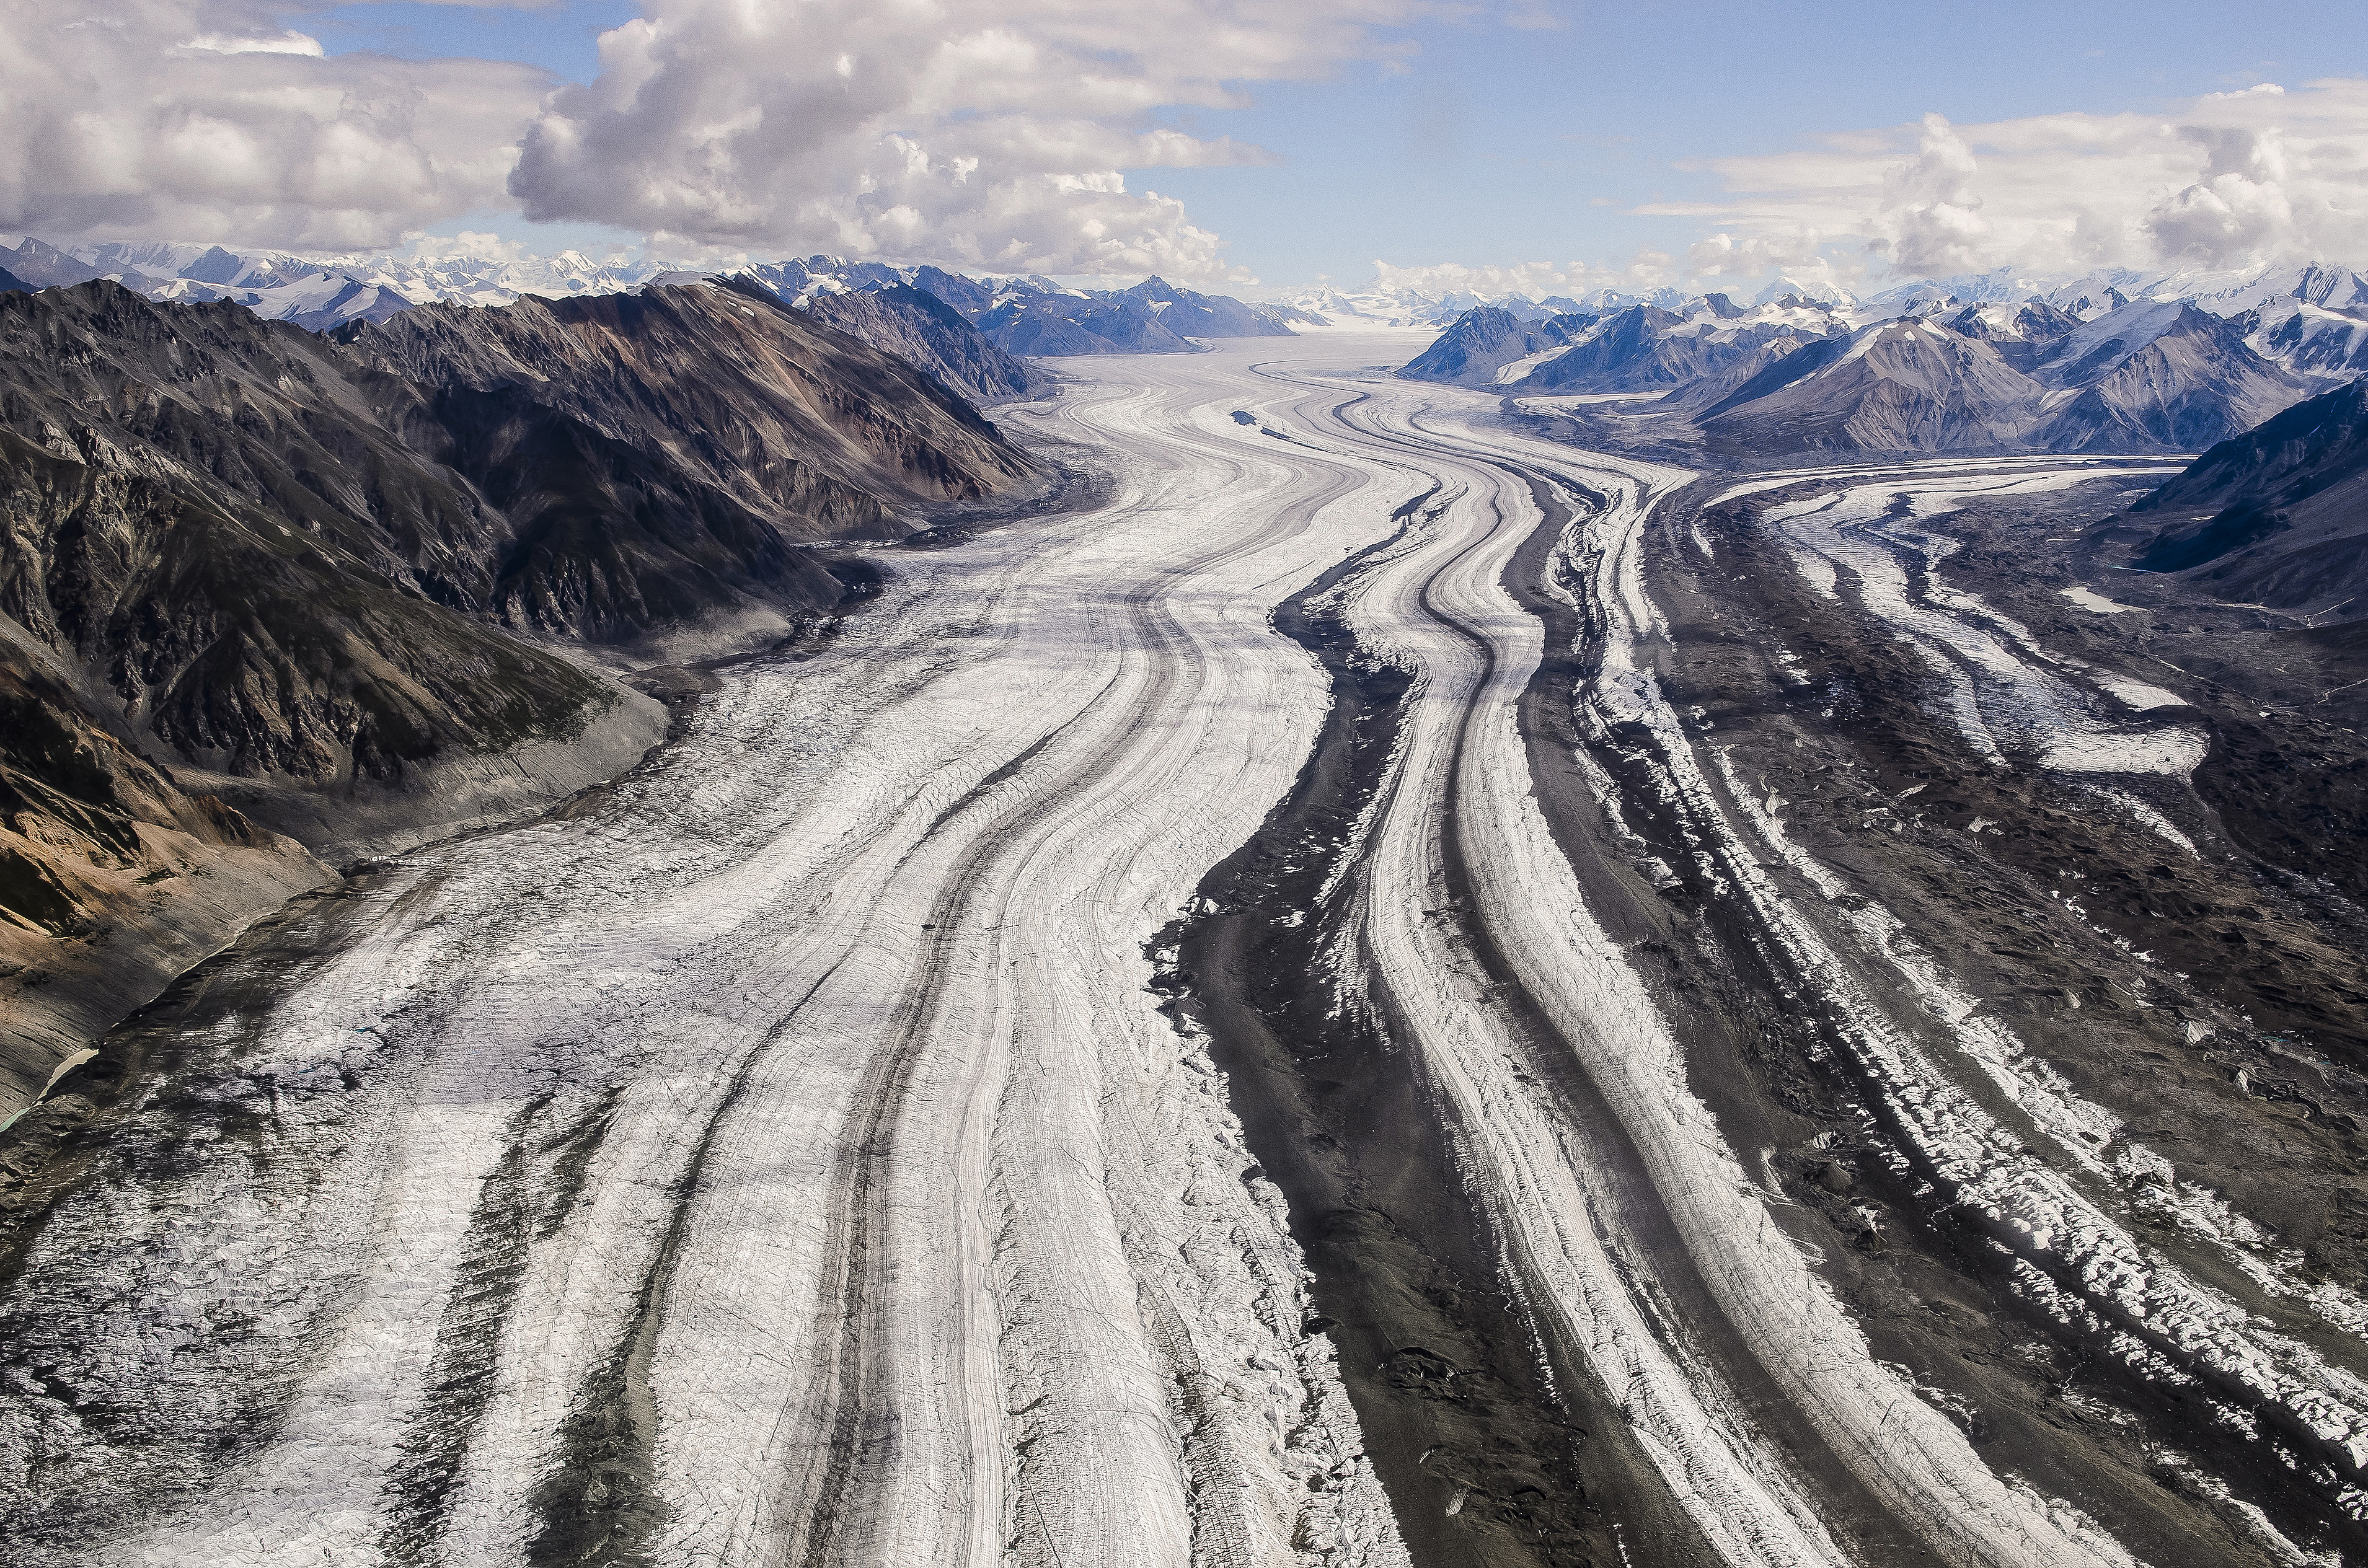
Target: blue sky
[1493,144]
[1551,146]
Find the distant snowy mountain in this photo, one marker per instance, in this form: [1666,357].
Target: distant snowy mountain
[2111,361]
[42,265]
[1382,304]
[1037,315]
[2152,375]
[318,293]
[1650,348]
[1819,290]
[2311,321]
[1491,343]
[1376,306]
[1699,349]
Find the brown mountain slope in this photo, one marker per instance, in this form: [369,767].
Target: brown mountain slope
[113,879]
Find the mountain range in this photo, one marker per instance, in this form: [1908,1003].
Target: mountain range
[1019,316]
[296,562]
[1036,317]
[2097,371]
[267,592]
[923,330]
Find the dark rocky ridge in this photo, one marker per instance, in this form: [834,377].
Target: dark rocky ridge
[1053,324]
[2278,515]
[113,877]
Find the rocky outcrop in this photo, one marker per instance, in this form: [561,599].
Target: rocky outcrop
[203,513]
[113,877]
[661,457]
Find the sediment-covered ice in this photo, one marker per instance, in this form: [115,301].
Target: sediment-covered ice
[2163,1320]
[2009,697]
[1543,1180]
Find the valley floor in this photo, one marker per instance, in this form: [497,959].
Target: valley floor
[1394,992]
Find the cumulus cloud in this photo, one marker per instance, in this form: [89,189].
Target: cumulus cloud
[193,119]
[1934,205]
[2222,181]
[1798,253]
[990,134]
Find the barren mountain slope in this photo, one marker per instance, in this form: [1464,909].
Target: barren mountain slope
[1909,385]
[2276,516]
[293,577]
[112,878]
[2176,378]
[928,334]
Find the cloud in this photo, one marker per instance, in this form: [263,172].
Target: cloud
[2226,180]
[469,245]
[990,134]
[1934,205]
[1794,251]
[1648,270]
[993,134]
[190,119]
[288,42]
[1533,16]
